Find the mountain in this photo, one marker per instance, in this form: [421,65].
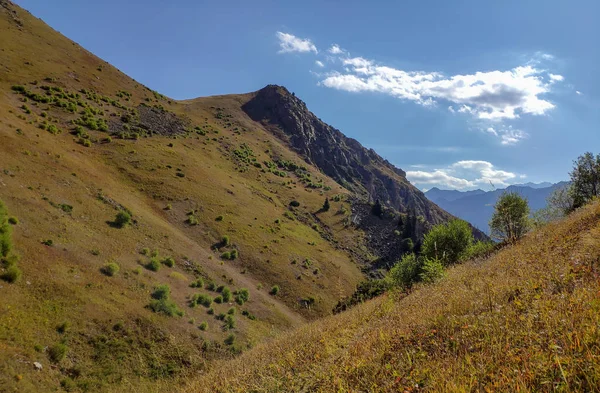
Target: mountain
[544,184]
[477,207]
[156,236]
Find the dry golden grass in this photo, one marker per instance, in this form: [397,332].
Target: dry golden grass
[65,283]
[526,319]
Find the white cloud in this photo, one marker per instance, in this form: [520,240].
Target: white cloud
[464,175]
[556,78]
[319,63]
[491,95]
[578,92]
[335,50]
[290,43]
[511,136]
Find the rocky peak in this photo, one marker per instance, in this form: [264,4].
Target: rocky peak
[355,167]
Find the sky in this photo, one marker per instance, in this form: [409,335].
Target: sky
[459,94]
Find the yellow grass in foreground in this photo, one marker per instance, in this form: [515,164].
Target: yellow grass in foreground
[527,319]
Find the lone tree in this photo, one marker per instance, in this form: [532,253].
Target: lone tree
[326,205]
[585,179]
[511,217]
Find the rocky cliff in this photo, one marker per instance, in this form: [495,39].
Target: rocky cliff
[355,167]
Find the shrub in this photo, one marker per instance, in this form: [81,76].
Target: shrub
[161,292]
[57,352]
[229,322]
[199,283]
[169,261]
[169,207]
[447,242]
[12,274]
[218,300]
[230,340]
[192,220]
[226,255]
[204,300]
[405,272]
[48,242]
[274,290]
[585,179]
[153,265]
[510,220]
[294,203]
[233,254]
[225,241]
[431,271]
[122,219]
[226,294]
[203,326]
[326,205]
[145,251]
[242,296]
[231,311]
[13,221]
[166,307]
[110,269]
[479,249]
[219,218]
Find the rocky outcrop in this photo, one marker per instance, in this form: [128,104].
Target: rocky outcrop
[344,159]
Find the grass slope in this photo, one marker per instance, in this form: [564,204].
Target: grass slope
[68,189]
[526,319]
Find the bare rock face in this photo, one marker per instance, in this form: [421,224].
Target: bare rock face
[344,159]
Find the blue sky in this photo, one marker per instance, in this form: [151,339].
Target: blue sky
[457,93]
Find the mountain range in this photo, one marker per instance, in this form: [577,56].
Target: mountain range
[477,206]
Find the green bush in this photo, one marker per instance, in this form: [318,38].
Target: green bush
[432,270]
[225,241]
[447,242]
[229,322]
[479,249]
[161,292]
[110,269]
[145,251]
[198,283]
[12,274]
[57,352]
[230,340]
[242,296]
[231,311]
[226,255]
[405,272]
[122,219]
[203,326]
[218,300]
[153,265]
[294,203]
[274,290]
[13,221]
[203,299]
[219,218]
[169,261]
[63,327]
[226,294]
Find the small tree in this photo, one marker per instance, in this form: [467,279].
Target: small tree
[122,219]
[377,209]
[326,205]
[510,220]
[585,179]
[447,242]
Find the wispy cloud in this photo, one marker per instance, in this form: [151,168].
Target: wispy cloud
[462,175]
[319,63]
[290,43]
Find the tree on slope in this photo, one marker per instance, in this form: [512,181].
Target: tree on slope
[585,179]
[511,217]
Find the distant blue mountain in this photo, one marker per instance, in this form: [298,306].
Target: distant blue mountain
[477,206]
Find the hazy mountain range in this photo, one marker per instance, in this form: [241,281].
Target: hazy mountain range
[477,206]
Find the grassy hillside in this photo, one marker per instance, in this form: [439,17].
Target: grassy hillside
[526,319]
[80,142]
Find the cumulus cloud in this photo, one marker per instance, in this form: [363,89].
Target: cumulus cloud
[491,95]
[319,63]
[290,43]
[462,175]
